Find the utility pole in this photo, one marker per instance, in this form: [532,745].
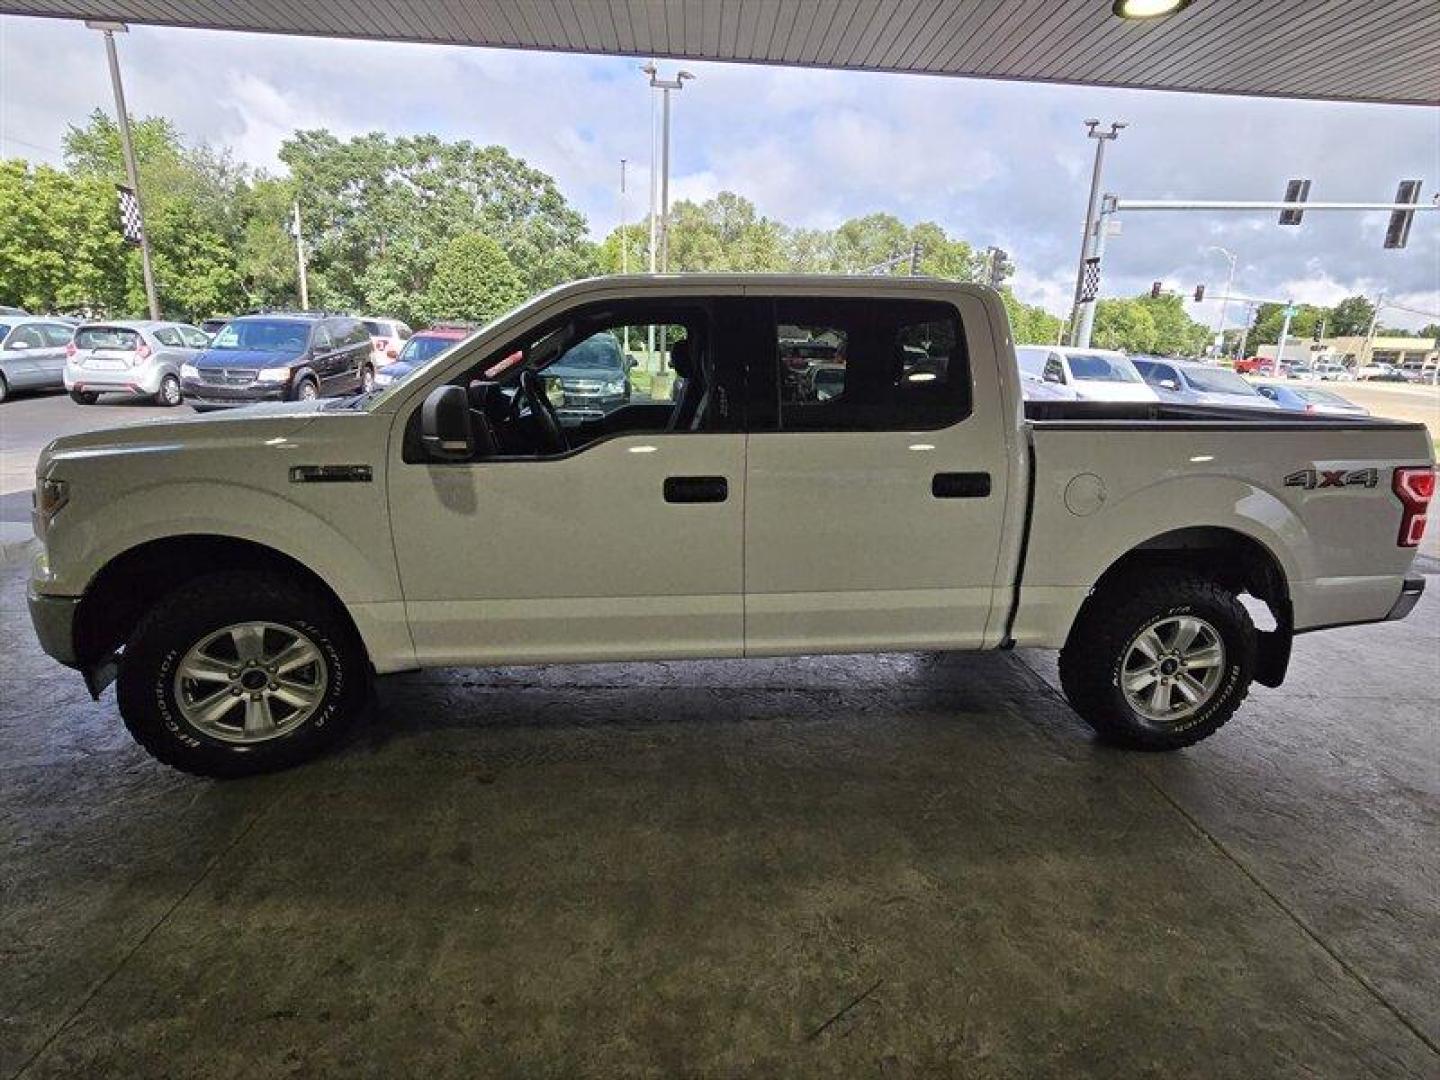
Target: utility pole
[300,257]
[624,241]
[1284,335]
[1087,310]
[1092,211]
[1368,352]
[127,150]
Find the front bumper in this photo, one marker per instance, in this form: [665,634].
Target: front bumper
[1410,594]
[54,620]
[210,396]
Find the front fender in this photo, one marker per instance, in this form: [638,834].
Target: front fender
[325,534]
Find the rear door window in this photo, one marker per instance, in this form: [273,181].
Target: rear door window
[168,335]
[194,338]
[28,337]
[58,335]
[867,365]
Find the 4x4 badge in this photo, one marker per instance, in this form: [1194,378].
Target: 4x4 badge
[1310,479]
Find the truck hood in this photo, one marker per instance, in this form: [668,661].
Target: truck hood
[1096,390]
[240,428]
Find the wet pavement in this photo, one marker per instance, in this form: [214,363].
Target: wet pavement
[855,866]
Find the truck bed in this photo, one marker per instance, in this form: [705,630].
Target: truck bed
[1314,491]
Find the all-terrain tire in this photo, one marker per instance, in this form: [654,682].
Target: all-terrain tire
[1093,659]
[147,685]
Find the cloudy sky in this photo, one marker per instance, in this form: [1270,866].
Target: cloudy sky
[993,162]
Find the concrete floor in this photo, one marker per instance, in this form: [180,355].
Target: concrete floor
[868,866]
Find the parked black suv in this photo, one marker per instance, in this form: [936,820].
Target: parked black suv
[289,357]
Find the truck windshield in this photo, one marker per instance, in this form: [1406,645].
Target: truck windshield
[1093,367]
[1032,361]
[420,349]
[1218,382]
[263,335]
[599,352]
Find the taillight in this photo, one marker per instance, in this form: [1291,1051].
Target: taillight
[1415,487]
[380,343]
[142,350]
[69,349]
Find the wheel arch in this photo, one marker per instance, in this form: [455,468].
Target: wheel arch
[130,583]
[1223,554]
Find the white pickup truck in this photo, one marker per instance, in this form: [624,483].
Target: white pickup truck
[842,465]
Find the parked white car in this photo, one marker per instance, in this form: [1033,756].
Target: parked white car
[245,574]
[130,357]
[1091,374]
[387,338]
[1032,361]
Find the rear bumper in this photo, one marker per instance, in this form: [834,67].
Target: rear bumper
[54,620]
[1410,594]
[137,380]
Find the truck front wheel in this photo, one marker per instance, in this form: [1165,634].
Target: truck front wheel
[240,672]
[1161,662]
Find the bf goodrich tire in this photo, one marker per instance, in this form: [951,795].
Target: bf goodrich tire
[239,673]
[1159,662]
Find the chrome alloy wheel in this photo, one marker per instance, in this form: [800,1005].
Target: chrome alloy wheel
[1173,668]
[251,682]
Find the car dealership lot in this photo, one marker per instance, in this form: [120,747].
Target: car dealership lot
[881,865]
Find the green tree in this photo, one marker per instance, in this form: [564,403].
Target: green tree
[1270,318]
[1176,334]
[60,243]
[1030,324]
[1124,324]
[627,251]
[379,210]
[474,280]
[725,233]
[1350,317]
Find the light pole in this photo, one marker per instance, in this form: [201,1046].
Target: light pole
[664,86]
[1224,300]
[1091,212]
[127,151]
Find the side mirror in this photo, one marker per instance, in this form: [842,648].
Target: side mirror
[445,425]
[1054,377]
[1169,384]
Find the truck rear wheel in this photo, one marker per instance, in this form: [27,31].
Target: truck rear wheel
[1159,663]
[238,673]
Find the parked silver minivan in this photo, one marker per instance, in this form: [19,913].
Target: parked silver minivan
[130,357]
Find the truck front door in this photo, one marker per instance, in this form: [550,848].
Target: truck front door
[626,544]
[876,476]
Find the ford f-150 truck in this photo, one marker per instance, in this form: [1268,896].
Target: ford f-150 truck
[242,577]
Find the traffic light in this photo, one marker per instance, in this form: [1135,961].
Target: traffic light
[1155,290]
[1199,293]
[1000,267]
[1398,231]
[914,260]
[1296,191]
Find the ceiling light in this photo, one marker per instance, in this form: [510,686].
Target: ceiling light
[1148,9]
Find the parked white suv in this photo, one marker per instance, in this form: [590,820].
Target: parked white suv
[244,575]
[387,338]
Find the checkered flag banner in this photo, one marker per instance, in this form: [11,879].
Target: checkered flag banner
[1090,282]
[130,226]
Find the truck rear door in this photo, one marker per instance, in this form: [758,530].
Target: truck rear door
[876,476]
